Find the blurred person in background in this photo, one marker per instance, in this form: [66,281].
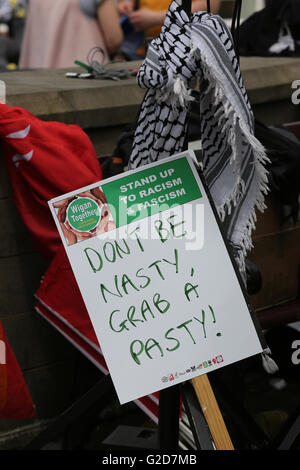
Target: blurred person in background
[145,17]
[107,15]
[58,32]
[12,23]
[149,15]
[5,11]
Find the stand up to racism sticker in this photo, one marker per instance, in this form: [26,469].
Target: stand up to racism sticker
[154,271]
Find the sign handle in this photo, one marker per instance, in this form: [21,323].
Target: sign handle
[212,413]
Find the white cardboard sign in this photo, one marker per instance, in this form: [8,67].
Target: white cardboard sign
[156,277]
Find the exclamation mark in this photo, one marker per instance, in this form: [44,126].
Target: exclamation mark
[214,318]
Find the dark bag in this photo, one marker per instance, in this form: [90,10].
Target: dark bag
[283,150]
[273,31]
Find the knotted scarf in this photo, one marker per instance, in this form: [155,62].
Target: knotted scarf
[200,47]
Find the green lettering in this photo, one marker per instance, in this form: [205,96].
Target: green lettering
[202,322]
[135,354]
[103,288]
[150,344]
[130,315]
[157,268]
[97,260]
[122,325]
[137,238]
[213,313]
[120,250]
[113,258]
[183,325]
[188,288]
[158,301]
[176,260]
[172,339]
[145,307]
[143,276]
[126,280]
[173,226]
[161,231]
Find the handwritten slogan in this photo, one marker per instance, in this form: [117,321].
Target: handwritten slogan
[161,291]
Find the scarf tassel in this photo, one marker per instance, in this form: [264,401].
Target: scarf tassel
[230,120]
[174,92]
[268,363]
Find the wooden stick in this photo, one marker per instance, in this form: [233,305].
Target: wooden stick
[212,413]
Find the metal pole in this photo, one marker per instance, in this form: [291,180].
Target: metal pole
[168,418]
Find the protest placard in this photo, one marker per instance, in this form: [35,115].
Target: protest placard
[163,294]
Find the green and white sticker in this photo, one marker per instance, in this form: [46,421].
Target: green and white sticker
[83,214]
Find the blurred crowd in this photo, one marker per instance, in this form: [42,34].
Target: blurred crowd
[55,33]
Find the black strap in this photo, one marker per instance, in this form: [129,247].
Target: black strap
[235,26]
[235,23]
[187,6]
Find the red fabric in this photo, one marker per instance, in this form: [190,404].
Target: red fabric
[44,160]
[15,399]
[65,302]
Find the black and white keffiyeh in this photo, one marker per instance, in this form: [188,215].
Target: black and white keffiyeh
[200,46]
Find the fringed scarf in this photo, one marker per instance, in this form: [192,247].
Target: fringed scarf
[201,47]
